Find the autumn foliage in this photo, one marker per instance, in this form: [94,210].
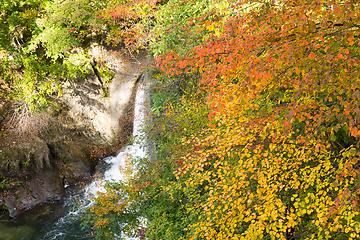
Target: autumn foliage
[280,156]
[126,21]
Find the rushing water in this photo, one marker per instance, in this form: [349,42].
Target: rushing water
[58,220]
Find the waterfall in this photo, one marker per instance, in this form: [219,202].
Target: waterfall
[139,149]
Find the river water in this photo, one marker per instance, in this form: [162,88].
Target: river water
[60,220]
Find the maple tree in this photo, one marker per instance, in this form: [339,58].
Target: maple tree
[280,156]
[126,21]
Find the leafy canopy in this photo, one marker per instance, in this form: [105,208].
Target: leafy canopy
[280,156]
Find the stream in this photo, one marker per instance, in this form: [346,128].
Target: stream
[59,219]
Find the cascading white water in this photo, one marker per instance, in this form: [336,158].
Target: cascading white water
[139,149]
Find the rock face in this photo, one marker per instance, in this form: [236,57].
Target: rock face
[127,70]
[36,171]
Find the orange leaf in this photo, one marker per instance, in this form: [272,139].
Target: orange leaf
[312,55]
[351,42]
